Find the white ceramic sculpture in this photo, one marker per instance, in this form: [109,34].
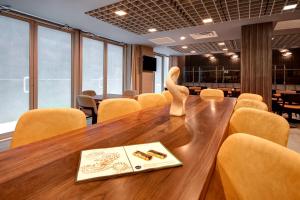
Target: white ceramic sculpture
[179,93]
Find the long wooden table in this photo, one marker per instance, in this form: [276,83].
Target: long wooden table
[47,169]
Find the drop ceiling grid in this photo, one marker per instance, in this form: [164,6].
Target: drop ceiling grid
[165,15]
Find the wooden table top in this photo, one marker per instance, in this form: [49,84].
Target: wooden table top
[47,169]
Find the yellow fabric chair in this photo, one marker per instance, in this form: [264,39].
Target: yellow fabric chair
[40,124]
[168,96]
[117,107]
[211,93]
[148,100]
[253,168]
[256,97]
[260,123]
[249,103]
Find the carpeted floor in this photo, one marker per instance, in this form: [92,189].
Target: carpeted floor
[294,139]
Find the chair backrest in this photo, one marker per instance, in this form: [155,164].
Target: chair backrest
[129,93]
[168,96]
[260,123]
[89,93]
[211,93]
[256,97]
[117,107]
[291,98]
[254,168]
[148,100]
[251,104]
[39,124]
[86,102]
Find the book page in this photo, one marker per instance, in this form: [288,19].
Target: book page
[97,163]
[163,160]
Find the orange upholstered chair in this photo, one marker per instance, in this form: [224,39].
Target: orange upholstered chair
[148,100]
[249,103]
[254,168]
[260,123]
[250,96]
[211,93]
[40,124]
[114,108]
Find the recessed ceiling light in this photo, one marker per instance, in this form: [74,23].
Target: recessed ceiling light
[273,38]
[193,51]
[151,30]
[182,38]
[120,12]
[289,7]
[234,56]
[221,43]
[184,47]
[225,49]
[287,54]
[207,20]
[284,50]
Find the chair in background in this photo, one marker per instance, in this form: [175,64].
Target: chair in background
[168,96]
[251,104]
[88,105]
[114,108]
[260,123]
[89,93]
[148,100]
[250,96]
[290,104]
[254,168]
[130,93]
[211,93]
[40,124]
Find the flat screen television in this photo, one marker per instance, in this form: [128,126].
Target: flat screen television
[149,63]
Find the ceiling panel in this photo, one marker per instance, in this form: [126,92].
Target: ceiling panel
[279,42]
[165,15]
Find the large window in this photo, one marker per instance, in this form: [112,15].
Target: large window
[54,68]
[114,69]
[14,71]
[158,75]
[92,65]
[166,68]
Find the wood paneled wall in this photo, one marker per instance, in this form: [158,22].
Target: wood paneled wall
[256,60]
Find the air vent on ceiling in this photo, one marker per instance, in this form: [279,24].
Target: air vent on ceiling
[204,35]
[163,40]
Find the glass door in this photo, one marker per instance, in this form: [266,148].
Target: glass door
[14,71]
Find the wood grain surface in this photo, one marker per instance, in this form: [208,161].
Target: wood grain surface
[47,169]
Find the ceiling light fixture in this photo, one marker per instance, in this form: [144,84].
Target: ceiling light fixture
[151,30]
[182,38]
[284,50]
[184,47]
[287,54]
[120,12]
[225,49]
[193,51]
[234,56]
[207,20]
[221,43]
[289,7]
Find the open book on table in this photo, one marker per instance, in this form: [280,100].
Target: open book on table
[116,161]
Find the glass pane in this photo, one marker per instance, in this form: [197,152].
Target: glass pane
[166,69]
[92,65]
[14,71]
[158,74]
[114,69]
[54,68]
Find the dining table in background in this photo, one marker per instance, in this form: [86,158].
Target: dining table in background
[48,169]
